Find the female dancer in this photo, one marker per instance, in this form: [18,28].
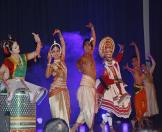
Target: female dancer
[152,106]
[59,95]
[13,69]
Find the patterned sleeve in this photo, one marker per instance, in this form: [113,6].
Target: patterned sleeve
[9,65]
[119,57]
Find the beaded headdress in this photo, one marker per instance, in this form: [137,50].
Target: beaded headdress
[55,44]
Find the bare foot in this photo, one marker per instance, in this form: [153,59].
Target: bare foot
[91,130]
[112,129]
[102,125]
[75,127]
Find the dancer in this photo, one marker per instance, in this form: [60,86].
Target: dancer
[140,101]
[86,92]
[14,68]
[152,106]
[111,88]
[59,96]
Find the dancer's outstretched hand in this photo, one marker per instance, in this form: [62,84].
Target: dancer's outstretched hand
[36,37]
[89,25]
[39,44]
[56,31]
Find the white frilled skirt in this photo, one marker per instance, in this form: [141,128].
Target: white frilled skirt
[36,93]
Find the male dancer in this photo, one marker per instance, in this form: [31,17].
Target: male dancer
[86,92]
[113,96]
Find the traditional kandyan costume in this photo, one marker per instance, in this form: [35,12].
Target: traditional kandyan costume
[112,96]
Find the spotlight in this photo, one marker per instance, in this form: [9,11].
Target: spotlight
[82,128]
[39,120]
[125,127]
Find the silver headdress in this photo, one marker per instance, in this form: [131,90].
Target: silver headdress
[55,44]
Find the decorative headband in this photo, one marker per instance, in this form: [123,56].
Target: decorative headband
[55,44]
[5,44]
[6,47]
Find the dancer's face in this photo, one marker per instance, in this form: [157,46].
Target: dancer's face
[87,47]
[55,53]
[135,62]
[15,48]
[108,51]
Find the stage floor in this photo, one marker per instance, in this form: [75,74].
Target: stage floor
[123,126]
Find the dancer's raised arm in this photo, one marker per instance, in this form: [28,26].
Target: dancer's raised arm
[137,52]
[62,42]
[35,53]
[93,34]
[153,65]
[120,53]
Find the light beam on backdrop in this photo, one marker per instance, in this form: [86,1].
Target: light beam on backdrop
[74,49]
